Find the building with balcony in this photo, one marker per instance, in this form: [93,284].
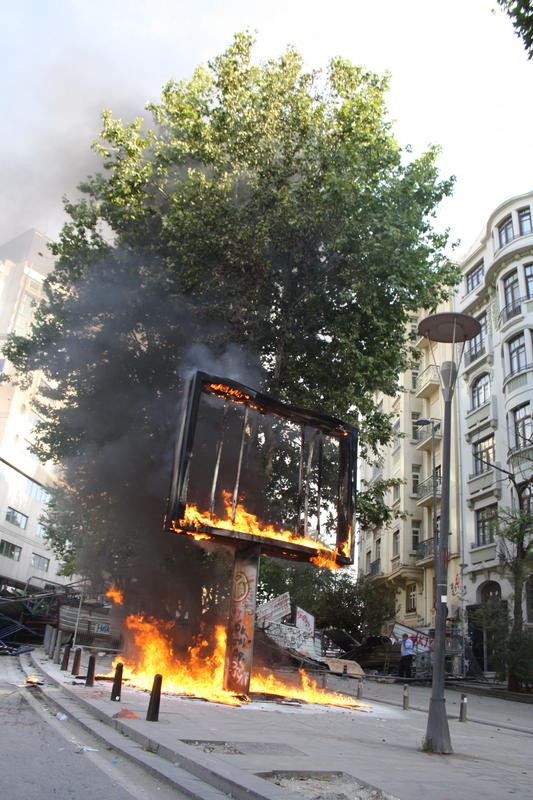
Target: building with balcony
[402,554]
[24,554]
[492,435]
[495,400]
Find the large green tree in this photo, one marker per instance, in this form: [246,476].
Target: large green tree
[266,216]
[521,14]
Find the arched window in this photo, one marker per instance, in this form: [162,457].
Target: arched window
[480,390]
[490,591]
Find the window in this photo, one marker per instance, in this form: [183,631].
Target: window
[368,561]
[474,277]
[416,526]
[414,372]
[378,549]
[517,354]
[524,221]
[410,598]
[484,455]
[40,562]
[40,531]
[511,295]
[396,543]
[9,550]
[522,426]
[16,518]
[528,273]
[395,493]
[414,427]
[485,522]
[505,231]
[396,434]
[480,390]
[415,475]
[477,345]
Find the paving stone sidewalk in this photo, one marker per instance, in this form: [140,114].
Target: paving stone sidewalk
[276,752]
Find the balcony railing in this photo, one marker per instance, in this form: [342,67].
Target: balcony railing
[422,432]
[473,355]
[511,310]
[425,549]
[425,488]
[375,567]
[427,380]
[518,369]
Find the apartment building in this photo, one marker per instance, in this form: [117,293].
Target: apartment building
[495,400]
[492,427]
[24,556]
[403,553]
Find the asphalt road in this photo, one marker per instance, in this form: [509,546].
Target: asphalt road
[46,758]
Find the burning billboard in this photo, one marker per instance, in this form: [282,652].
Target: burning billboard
[251,469]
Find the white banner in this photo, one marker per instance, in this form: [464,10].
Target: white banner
[422,641]
[304,620]
[275,610]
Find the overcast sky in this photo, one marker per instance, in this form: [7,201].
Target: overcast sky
[460,79]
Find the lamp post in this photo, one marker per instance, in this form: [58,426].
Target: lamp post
[455,329]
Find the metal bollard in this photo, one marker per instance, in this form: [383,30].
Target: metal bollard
[462,708]
[89,680]
[345,671]
[405,696]
[57,648]
[76,662]
[117,683]
[66,656]
[359,689]
[152,715]
[52,643]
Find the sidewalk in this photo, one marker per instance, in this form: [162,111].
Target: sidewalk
[234,748]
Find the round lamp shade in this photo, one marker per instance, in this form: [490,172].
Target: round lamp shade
[449,327]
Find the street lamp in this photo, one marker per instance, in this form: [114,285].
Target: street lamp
[454,329]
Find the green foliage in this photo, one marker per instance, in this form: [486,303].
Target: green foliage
[336,599]
[268,209]
[521,14]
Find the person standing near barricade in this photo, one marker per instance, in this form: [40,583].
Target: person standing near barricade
[406,656]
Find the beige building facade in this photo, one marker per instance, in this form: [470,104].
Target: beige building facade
[491,427]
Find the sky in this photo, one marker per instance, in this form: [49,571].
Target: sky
[460,79]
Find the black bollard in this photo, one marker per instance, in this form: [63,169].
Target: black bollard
[405,695]
[117,683]
[77,661]
[462,708]
[152,714]
[89,680]
[66,656]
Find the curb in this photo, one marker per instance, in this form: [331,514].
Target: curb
[197,774]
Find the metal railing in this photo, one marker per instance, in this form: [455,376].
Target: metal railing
[474,354]
[425,549]
[425,488]
[511,310]
[422,432]
[375,567]
[518,370]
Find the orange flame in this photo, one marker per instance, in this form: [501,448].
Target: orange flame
[116,595]
[201,673]
[248,523]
